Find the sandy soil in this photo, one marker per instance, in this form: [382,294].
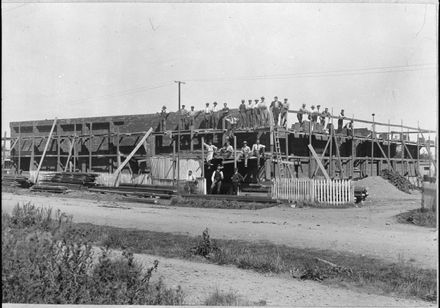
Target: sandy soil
[199,280]
[370,230]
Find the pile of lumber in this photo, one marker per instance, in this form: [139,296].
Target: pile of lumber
[159,191]
[15,180]
[397,180]
[258,188]
[50,188]
[71,180]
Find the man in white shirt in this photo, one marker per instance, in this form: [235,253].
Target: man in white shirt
[192,114]
[211,149]
[303,110]
[216,179]
[214,115]
[207,116]
[275,108]
[257,114]
[284,111]
[250,114]
[258,150]
[191,182]
[264,112]
[245,152]
[183,117]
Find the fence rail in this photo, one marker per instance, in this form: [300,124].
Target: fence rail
[322,191]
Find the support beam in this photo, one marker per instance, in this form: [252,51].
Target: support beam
[127,159]
[58,147]
[72,143]
[19,148]
[90,146]
[319,162]
[45,149]
[322,157]
[383,153]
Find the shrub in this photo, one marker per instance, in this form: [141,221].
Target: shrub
[50,261]
[205,246]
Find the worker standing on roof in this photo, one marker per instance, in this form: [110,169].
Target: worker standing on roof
[257,114]
[275,108]
[163,118]
[192,114]
[207,116]
[303,110]
[264,112]
[284,110]
[325,117]
[250,114]
[183,117]
[225,113]
[214,115]
[341,120]
[216,179]
[211,149]
[242,113]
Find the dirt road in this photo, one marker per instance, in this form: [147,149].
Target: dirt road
[199,280]
[370,230]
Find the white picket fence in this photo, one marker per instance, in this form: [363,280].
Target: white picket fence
[322,191]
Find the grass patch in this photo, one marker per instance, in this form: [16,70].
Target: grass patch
[217,204]
[46,259]
[331,267]
[419,217]
[218,298]
[303,204]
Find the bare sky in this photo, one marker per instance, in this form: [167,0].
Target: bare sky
[78,60]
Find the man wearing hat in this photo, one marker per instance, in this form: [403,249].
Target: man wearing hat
[257,115]
[250,114]
[264,112]
[216,179]
[214,115]
[303,110]
[284,111]
[163,118]
[325,116]
[183,117]
[341,120]
[192,115]
[275,108]
[245,152]
[207,116]
[242,113]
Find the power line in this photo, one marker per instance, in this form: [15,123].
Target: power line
[346,72]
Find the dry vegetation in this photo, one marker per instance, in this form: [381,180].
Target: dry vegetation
[46,260]
[419,217]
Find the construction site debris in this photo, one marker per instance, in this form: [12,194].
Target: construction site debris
[50,188]
[16,180]
[401,182]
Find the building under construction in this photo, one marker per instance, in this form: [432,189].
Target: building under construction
[101,144]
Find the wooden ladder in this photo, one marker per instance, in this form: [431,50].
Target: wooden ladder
[277,153]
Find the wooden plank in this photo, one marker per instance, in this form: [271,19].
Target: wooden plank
[70,153]
[312,151]
[127,159]
[45,149]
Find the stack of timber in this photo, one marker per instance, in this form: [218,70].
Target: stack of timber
[16,180]
[261,199]
[49,188]
[257,188]
[401,182]
[159,191]
[72,180]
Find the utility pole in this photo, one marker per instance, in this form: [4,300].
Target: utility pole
[178,134]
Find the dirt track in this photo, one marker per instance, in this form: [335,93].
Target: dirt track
[199,280]
[370,230]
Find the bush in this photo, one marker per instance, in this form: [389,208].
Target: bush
[205,246]
[48,261]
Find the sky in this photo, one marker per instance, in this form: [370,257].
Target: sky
[89,59]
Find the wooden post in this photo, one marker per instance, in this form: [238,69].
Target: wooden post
[74,148]
[58,147]
[174,162]
[330,165]
[4,150]
[418,151]
[109,145]
[19,147]
[403,149]
[429,153]
[235,152]
[45,149]
[32,162]
[203,157]
[72,143]
[389,146]
[310,152]
[352,150]
[90,146]
[118,152]
[373,138]
[318,162]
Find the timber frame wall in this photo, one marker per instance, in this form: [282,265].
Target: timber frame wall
[97,144]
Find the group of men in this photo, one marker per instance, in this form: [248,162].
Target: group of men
[251,115]
[323,118]
[257,114]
